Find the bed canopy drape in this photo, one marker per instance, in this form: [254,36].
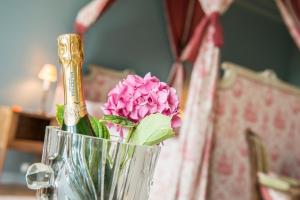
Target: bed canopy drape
[89,14]
[182,18]
[195,137]
[290,11]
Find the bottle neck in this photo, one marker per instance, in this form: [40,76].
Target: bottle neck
[74,102]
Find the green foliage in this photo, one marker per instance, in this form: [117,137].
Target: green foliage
[60,109]
[152,130]
[122,121]
[99,128]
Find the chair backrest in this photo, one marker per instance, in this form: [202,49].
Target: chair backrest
[258,160]
[257,153]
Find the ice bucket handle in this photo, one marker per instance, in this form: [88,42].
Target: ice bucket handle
[39,176]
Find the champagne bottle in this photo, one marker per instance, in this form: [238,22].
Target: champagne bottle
[70,53]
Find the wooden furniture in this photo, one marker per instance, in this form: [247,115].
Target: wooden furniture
[21,131]
[268,186]
[258,161]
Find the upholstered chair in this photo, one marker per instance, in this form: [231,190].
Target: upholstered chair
[265,184]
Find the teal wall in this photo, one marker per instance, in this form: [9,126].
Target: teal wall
[28,40]
[293,72]
[259,41]
[131,34]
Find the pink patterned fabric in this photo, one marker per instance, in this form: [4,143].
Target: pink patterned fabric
[272,113]
[290,11]
[182,16]
[165,177]
[269,194]
[89,14]
[265,193]
[197,125]
[176,79]
[100,81]
[187,174]
[196,132]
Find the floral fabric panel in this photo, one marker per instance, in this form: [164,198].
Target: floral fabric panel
[272,113]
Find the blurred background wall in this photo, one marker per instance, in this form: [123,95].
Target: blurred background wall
[256,37]
[132,34]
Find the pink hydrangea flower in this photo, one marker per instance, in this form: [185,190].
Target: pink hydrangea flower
[136,97]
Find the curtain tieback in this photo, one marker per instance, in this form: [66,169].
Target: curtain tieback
[218,34]
[192,48]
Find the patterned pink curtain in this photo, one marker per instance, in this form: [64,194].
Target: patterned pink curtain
[182,19]
[196,132]
[89,14]
[290,11]
[182,171]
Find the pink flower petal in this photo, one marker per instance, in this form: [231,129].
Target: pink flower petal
[176,121]
[134,115]
[136,97]
[162,96]
[121,104]
[143,111]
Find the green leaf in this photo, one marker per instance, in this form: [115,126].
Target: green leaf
[99,128]
[60,109]
[122,121]
[130,131]
[152,130]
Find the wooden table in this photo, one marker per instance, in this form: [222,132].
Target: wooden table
[21,131]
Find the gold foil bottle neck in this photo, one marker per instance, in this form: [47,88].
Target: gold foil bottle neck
[70,48]
[70,53]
